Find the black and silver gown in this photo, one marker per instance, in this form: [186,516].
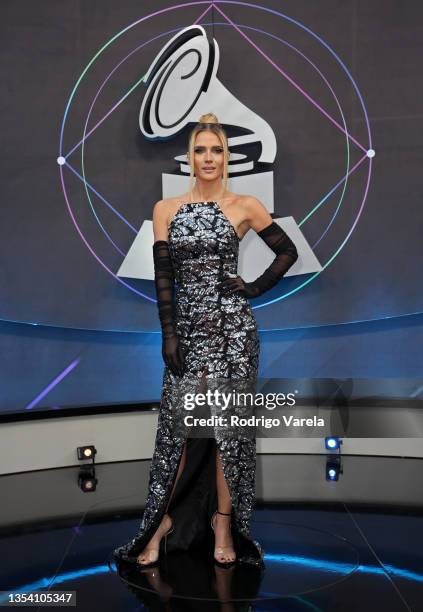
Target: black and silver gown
[219,339]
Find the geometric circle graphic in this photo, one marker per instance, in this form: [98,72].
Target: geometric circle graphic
[242,30]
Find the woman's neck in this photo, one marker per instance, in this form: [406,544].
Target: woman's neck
[208,191]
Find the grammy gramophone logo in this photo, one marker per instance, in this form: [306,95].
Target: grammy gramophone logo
[182,84]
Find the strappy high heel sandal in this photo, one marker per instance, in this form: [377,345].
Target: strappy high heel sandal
[153,553]
[220,549]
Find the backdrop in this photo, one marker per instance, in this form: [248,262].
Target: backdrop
[336,81]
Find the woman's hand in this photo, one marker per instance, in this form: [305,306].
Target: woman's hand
[172,354]
[237,283]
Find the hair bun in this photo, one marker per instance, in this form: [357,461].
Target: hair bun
[209,118]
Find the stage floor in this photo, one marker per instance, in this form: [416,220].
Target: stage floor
[330,552]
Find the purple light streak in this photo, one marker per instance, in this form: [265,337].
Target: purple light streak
[54,382]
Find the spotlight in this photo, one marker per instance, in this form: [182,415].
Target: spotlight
[86,452]
[333,443]
[87,481]
[333,467]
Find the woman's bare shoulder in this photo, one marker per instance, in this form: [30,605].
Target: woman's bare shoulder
[169,203]
[255,212]
[243,199]
[248,199]
[251,203]
[163,210]
[164,206]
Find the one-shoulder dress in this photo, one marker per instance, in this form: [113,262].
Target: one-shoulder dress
[219,339]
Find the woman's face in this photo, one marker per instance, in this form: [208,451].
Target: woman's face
[208,156]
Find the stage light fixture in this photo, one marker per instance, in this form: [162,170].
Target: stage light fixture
[87,481]
[333,443]
[86,452]
[333,467]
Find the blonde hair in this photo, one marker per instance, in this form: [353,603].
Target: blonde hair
[209,122]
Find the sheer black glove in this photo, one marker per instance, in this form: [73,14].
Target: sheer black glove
[172,354]
[286,255]
[164,281]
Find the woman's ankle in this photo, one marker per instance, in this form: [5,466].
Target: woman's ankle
[225,511]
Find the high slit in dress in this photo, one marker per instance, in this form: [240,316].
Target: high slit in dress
[219,339]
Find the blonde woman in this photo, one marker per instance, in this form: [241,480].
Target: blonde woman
[203,489]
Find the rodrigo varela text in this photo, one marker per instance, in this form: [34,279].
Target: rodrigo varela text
[260,421]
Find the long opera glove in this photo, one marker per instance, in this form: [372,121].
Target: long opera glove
[164,280]
[286,255]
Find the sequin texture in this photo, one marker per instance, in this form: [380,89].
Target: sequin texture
[219,339]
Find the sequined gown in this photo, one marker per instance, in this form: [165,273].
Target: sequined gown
[219,339]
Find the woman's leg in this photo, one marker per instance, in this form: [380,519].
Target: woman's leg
[180,470]
[223,495]
[223,538]
[153,544]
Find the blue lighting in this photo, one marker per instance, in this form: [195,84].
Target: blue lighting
[308,562]
[332,442]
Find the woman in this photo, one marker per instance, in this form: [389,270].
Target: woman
[209,332]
